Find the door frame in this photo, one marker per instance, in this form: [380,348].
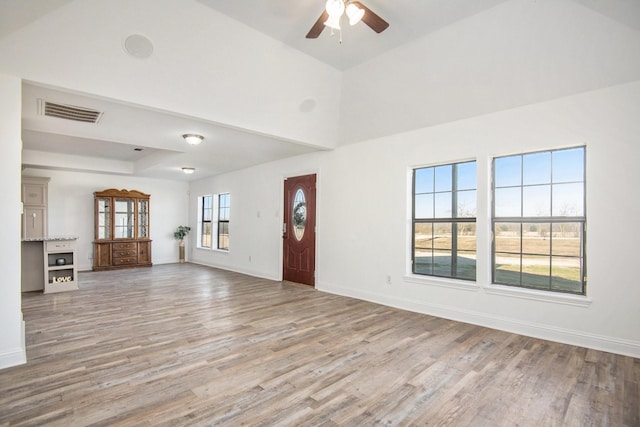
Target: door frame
[281,221]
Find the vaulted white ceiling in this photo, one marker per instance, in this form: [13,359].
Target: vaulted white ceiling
[289,21]
[242,73]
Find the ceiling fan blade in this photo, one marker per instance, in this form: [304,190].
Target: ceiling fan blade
[370,18]
[317,28]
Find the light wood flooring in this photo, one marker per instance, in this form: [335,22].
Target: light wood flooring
[183,344]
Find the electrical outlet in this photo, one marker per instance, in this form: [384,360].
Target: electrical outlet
[388,280]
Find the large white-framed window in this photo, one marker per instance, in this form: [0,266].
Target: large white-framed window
[538,220]
[213,214]
[444,221]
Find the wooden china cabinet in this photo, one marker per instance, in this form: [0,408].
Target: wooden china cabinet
[121,230]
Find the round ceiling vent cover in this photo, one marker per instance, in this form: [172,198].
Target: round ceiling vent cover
[138,46]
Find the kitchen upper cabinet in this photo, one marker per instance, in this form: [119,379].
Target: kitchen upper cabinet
[34,206]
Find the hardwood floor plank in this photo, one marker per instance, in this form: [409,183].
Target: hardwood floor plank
[183,344]
[631,407]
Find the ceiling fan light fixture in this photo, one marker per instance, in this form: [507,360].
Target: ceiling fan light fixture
[333,22]
[193,138]
[335,8]
[354,13]
[188,171]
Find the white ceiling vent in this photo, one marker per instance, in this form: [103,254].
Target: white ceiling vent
[69,112]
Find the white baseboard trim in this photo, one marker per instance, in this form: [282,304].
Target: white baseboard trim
[14,356]
[253,273]
[535,330]
[86,268]
[166,261]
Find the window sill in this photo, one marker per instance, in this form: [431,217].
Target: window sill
[558,298]
[442,282]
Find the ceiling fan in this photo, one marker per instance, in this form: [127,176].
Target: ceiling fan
[355,11]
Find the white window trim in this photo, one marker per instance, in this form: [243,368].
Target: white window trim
[532,294]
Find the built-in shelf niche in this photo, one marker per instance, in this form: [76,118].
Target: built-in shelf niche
[60,277]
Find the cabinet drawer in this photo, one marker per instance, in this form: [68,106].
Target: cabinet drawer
[122,254]
[59,245]
[125,261]
[129,245]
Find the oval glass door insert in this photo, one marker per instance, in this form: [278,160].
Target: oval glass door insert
[299,214]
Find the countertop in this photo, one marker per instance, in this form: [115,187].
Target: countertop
[49,238]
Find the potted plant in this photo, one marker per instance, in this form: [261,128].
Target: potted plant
[180,234]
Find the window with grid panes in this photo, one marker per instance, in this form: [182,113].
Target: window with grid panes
[539,220]
[444,220]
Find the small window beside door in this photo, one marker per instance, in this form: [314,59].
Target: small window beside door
[213,214]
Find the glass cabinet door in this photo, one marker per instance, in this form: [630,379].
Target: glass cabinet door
[124,217]
[104,218]
[143,219]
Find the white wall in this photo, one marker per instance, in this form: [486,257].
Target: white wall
[255,222]
[605,121]
[517,53]
[71,209]
[363,219]
[12,348]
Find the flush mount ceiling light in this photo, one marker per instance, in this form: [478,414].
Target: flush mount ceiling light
[193,138]
[334,10]
[188,171]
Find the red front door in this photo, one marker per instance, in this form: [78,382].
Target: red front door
[299,230]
